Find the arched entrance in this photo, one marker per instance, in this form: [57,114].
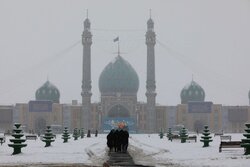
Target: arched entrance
[198,126]
[118,111]
[119,115]
[40,125]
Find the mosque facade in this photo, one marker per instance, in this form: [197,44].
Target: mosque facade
[118,85]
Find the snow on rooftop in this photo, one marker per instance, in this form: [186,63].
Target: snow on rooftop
[146,149]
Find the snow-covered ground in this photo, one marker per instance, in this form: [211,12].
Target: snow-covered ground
[146,149]
[189,154]
[89,151]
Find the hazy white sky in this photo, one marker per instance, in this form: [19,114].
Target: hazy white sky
[208,39]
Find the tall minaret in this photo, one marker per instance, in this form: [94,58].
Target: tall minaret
[86,76]
[150,84]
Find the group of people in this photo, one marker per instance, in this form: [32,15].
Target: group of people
[117,140]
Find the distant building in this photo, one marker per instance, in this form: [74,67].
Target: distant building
[118,85]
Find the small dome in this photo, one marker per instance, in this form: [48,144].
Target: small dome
[118,77]
[192,92]
[48,92]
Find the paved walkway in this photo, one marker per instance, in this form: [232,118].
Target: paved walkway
[122,159]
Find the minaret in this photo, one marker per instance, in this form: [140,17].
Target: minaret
[150,83]
[86,76]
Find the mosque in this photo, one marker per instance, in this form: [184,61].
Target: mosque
[118,85]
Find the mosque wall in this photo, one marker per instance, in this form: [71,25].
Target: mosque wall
[235,118]
[71,115]
[161,118]
[33,121]
[221,118]
[95,117]
[21,115]
[195,121]
[6,115]
[171,116]
[141,117]
[216,118]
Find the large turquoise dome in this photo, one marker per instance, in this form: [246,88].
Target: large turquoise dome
[119,77]
[48,91]
[192,92]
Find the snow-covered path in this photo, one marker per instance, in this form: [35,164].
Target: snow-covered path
[145,150]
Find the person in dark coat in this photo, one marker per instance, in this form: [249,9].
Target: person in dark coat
[119,140]
[125,140]
[110,140]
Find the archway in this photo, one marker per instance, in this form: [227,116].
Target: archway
[198,126]
[118,111]
[40,125]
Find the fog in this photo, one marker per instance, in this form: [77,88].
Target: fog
[205,40]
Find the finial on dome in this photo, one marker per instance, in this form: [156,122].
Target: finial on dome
[117,40]
[150,22]
[87,22]
[118,48]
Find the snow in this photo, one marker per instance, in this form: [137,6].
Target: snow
[190,154]
[145,149]
[82,151]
